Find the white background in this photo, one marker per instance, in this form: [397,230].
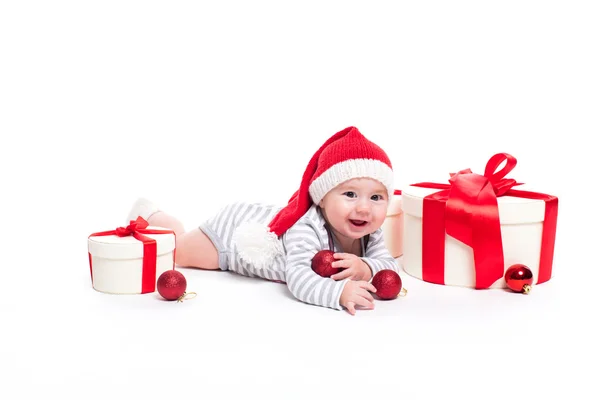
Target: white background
[197,105]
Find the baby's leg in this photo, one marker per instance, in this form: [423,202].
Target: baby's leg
[194,248]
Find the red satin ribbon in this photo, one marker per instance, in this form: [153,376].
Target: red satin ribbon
[136,229]
[467,210]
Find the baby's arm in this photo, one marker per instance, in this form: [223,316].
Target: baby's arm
[377,256]
[302,243]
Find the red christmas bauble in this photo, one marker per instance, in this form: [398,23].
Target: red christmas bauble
[388,284]
[321,263]
[519,278]
[171,284]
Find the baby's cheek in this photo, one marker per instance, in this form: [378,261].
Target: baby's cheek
[380,218]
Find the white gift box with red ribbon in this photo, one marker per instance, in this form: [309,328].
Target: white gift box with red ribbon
[470,231]
[129,260]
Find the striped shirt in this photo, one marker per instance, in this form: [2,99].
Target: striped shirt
[300,243]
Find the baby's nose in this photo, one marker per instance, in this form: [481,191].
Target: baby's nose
[362,207]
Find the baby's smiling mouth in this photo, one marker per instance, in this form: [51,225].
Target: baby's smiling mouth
[358,222]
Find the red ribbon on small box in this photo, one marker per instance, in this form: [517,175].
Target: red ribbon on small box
[137,229]
[467,210]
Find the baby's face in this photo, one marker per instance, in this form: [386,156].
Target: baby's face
[356,207]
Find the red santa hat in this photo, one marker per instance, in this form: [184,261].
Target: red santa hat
[344,156]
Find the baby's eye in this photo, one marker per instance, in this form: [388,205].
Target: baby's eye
[350,194]
[377,197]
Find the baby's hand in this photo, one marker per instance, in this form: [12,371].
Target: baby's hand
[356,293]
[354,268]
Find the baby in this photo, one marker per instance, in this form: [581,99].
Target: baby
[340,205]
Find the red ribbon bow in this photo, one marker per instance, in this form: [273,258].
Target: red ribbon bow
[137,229]
[467,210]
[132,228]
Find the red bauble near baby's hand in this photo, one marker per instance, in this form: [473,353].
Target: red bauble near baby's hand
[321,263]
[171,285]
[388,284]
[519,278]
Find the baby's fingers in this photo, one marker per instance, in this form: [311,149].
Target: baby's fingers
[365,294]
[342,275]
[350,307]
[368,286]
[363,302]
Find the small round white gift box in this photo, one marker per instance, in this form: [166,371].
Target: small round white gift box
[117,263]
